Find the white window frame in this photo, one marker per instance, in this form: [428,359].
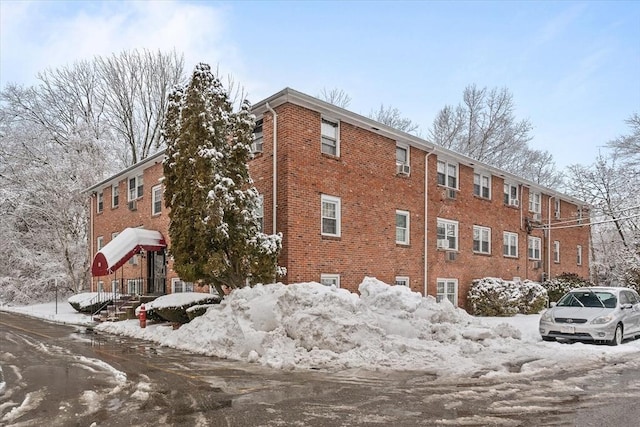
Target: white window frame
[114,235]
[444,175]
[402,281]
[330,279]
[535,202]
[259,213]
[183,286]
[448,225]
[134,286]
[399,148]
[443,290]
[258,137]
[100,202]
[534,248]
[100,243]
[100,286]
[509,198]
[136,192]
[330,200]
[482,235]
[557,208]
[327,140]
[556,251]
[115,195]
[509,241]
[115,284]
[479,185]
[406,229]
[579,255]
[154,199]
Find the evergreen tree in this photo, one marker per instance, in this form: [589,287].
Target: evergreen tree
[213,227]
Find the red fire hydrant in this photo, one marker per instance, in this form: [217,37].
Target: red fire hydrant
[142,314]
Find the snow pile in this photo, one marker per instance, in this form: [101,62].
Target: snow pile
[179,300]
[308,325]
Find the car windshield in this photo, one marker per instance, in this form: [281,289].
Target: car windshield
[588,299]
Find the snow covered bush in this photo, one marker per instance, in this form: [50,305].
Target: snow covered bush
[492,296]
[89,302]
[562,284]
[533,297]
[173,307]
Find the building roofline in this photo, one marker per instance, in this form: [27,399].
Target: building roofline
[289,95]
[117,177]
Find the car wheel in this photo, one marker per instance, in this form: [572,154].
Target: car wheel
[548,339]
[617,336]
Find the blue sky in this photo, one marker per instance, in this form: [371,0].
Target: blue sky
[573,67]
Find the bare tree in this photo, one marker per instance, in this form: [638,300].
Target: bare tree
[628,146]
[391,116]
[335,96]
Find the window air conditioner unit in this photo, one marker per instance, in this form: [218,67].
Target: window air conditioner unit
[256,147]
[133,205]
[515,203]
[443,244]
[452,194]
[452,256]
[537,217]
[557,214]
[537,265]
[402,169]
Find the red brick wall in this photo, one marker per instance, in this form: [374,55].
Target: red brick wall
[364,177]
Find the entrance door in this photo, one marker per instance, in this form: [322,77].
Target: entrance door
[156,273]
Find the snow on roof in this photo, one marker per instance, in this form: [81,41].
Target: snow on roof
[126,244]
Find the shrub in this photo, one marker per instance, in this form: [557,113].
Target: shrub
[562,284]
[176,312]
[533,297]
[197,310]
[493,296]
[89,302]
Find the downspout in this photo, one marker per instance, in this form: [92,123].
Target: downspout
[549,238]
[426,218]
[275,168]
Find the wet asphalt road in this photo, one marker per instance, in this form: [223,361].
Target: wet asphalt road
[59,375]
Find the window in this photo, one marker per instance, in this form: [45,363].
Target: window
[534,202]
[114,235]
[258,138]
[557,209]
[579,214]
[402,227]
[100,205]
[115,285]
[482,185]
[402,154]
[481,240]
[579,255]
[510,244]
[448,174]
[100,242]
[556,251]
[330,216]
[447,289]
[402,281]
[178,285]
[511,195]
[447,234]
[259,212]
[136,188]
[156,200]
[330,140]
[534,248]
[115,195]
[134,286]
[330,280]
[100,286]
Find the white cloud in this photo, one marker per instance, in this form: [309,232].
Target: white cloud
[57,34]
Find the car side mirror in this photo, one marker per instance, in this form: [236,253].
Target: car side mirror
[552,304]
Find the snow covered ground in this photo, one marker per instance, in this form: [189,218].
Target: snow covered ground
[311,326]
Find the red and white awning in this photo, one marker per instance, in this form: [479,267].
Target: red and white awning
[125,245]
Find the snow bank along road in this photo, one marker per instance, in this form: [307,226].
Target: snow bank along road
[59,376]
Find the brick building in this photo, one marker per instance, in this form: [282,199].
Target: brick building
[356,198]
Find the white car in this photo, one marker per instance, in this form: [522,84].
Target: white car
[598,314]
